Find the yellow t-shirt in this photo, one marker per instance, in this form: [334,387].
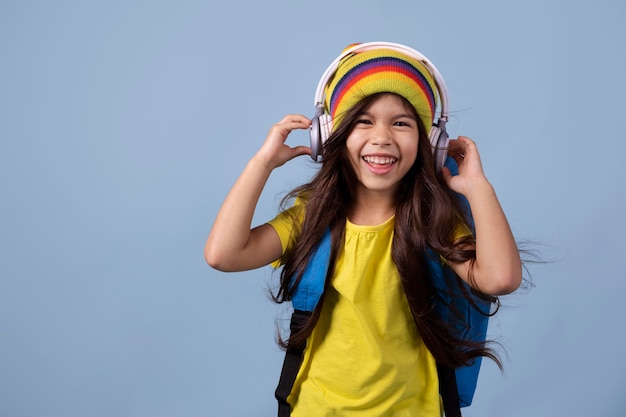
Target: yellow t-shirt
[364,356]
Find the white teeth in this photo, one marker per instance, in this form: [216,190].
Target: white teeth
[379,160]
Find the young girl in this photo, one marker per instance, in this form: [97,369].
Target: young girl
[374,339]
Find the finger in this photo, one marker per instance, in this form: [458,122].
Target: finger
[288,124]
[454,146]
[458,157]
[456,150]
[465,139]
[295,119]
[301,150]
[468,145]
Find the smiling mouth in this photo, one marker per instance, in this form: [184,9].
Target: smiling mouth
[380,160]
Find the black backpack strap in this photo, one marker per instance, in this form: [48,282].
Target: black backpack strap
[291,365]
[449,391]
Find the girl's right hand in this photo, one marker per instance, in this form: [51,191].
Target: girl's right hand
[274,150]
[232,244]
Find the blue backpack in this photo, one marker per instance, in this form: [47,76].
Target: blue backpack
[457,386]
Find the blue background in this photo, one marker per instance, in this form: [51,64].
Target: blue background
[124,123]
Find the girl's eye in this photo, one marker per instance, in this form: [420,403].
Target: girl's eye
[364,121]
[402,123]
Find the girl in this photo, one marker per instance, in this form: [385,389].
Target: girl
[374,339]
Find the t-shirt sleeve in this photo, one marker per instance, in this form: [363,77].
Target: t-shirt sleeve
[462,230]
[287,225]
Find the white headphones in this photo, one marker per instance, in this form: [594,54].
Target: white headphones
[321,126]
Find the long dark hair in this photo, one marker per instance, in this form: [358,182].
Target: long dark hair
[427,218]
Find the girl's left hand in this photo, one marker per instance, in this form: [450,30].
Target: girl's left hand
[497,269]
[464,151]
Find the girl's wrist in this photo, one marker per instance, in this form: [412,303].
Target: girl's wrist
[479,188]
[260,161]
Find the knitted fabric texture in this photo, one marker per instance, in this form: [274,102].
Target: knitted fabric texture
[362,74]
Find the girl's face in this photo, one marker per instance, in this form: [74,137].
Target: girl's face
[383,145]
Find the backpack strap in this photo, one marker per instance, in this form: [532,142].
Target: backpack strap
[449,391]
[304,300]
[291,365]
[311,285]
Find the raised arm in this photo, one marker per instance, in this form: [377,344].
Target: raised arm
[232,245]
[497,269]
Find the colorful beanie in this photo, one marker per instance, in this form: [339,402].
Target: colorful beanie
[372,71]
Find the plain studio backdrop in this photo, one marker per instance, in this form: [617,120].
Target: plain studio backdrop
[123,125]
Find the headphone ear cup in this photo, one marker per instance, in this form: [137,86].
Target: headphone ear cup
[326,127]
[433,137]
[315,134]
[315,138]
[439,141]
[321,127]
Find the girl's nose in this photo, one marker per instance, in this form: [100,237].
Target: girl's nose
[381,136]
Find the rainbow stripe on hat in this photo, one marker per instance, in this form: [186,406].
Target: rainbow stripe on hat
[381,71]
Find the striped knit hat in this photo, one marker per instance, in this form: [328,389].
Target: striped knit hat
[372,71]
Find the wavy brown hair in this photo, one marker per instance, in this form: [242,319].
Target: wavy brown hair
[427,218]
